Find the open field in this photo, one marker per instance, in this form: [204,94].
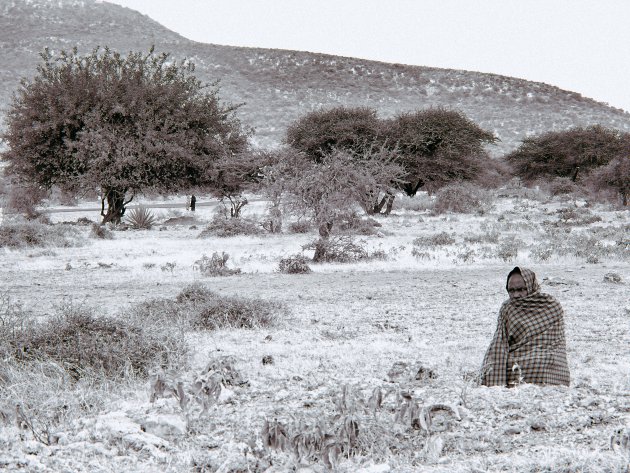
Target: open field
[412,325]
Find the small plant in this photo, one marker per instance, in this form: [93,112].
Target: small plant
[101,232]
[141,218]
[216,265]
[204,391]
[296,264]
[508,250]
[168,266]
[148,265]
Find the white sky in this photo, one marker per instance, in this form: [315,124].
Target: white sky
[578,45]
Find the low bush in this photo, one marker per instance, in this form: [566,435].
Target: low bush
[463,198]
[508,250]
[199,308]
[140,218]
[223,227]
[35,234]
[418,203]
[23,200]
[437,239]
[83,343]
[216,265]
[338,249]
[301,226]
[101,232]
[296,264]
[577,216]
[355,225]
[563,186]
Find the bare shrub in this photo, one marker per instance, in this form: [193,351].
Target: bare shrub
[508,250]
[338,249]
[355,225]
[32,234]
[216,265]
[223,227]
[437,239]
[541,252]
[101,232]
[23,199]
[301,226]
[575,216]
[563,186]
[491,236]
[83,343]
[296,264]
[463,198]
[197,307]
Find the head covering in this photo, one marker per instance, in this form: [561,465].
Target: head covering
[529,344]
[531,283]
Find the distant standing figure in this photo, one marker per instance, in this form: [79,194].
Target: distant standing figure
[193,201]
[529,344]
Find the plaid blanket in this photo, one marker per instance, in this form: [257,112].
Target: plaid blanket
[529,344]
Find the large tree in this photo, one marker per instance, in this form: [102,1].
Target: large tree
[319,133]
[121,125]
[571,153]
[436,146]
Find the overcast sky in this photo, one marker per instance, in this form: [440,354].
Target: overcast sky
[578,45]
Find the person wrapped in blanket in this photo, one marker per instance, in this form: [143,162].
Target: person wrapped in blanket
[529,345]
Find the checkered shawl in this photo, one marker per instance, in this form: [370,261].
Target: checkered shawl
[530,339]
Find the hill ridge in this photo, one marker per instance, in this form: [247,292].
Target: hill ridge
[278,85]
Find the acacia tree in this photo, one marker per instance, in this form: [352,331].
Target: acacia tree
[325,191]
[319,133]
[436,146]
[615,175]
[122,125]
[571,153]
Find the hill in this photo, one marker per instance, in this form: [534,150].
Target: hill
[277,86]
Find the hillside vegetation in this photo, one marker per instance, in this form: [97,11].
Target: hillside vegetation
[278,86]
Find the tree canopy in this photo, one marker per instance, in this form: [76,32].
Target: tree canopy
[122,125]
[436,146]
[569,153]
[319,133]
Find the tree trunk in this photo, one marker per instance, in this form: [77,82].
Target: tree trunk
[379,205]
[115,206]
[321,245]
[387,201]
[411,189]
[390,204]
[624,198]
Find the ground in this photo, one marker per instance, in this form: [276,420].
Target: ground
[413,326]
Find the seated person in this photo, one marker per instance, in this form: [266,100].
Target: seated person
[529,345]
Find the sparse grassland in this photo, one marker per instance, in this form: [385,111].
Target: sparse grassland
[368,364]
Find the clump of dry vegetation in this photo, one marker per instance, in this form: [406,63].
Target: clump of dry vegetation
[295,264]
[21,234]
[197,307]
[85,344]
[222,226]
[215,265]
[463,197]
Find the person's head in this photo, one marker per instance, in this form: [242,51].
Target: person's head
[516,286]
